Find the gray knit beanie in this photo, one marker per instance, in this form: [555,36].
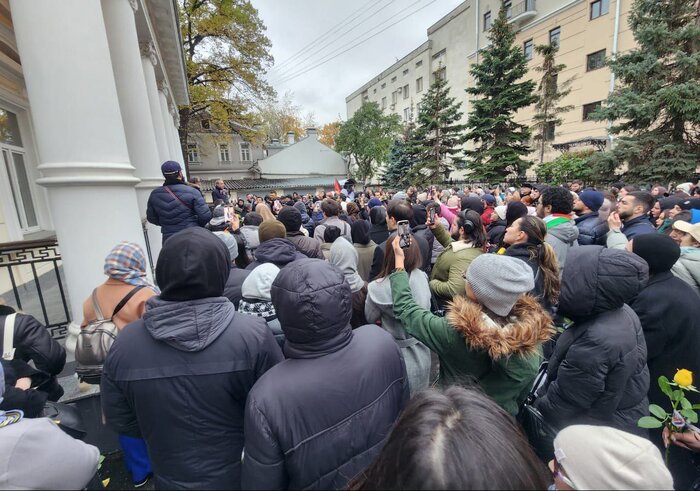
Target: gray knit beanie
[499,281]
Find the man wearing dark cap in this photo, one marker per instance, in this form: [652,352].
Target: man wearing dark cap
[591,229]
[291,219]
[176,206]
[179,378]
[669,311]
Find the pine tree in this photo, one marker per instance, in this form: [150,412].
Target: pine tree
[498,93]
[401,160]
[550,93]
[438,138]
[656,105]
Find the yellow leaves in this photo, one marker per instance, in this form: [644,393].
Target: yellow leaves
[329,132]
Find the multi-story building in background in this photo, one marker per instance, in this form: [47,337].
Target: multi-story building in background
[587,31]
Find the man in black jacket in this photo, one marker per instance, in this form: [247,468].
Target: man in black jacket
[176,206]
[179,377]
[320,417]
[592,230]
[669,310]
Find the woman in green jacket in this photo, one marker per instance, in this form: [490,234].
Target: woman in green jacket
[492,337]
[469,242]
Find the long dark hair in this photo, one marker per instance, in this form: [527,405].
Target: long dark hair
[413,258]
[470,224]
[456,439]
[536,231]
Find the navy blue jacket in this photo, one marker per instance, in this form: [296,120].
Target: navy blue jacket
[591,229]
[637,226]
[172,215]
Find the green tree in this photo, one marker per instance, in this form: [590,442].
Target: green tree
[438,138]
[498,93]
[367,138]
[402,158]
[656,104]
[566,167]
[226,55]
[550,93]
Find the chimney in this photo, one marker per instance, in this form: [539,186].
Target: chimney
[311,132]
[275,141]
[290,137]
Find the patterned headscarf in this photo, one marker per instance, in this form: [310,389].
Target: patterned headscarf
[127,263]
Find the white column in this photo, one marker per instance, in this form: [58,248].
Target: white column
[148,62]
[84,160]
[163,96]
[133,103]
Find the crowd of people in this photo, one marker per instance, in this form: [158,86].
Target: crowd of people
[371,339]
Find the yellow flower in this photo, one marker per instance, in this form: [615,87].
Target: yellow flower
[683,377]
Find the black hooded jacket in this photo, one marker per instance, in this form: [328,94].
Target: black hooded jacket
[279,252]
[180,376]
[598,372]
[321,416]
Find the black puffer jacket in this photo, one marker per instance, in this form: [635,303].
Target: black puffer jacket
[173,214]
[32,342]
[598,372]
[321,416]
[591,229]
[180,376]
[279,252]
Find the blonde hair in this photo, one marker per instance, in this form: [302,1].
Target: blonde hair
[265,212]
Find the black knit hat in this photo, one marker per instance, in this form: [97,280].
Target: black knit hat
[659,251]
[290,218]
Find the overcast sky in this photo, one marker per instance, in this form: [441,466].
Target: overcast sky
[292,25]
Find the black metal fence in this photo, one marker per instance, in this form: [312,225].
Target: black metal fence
[34,271]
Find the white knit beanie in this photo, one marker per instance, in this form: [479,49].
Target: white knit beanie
[499,281]
[599,457]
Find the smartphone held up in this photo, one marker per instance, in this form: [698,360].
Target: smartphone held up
[404,232]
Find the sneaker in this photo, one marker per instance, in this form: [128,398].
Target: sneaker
[143,481]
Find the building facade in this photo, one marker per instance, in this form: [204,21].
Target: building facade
[89,91]
[587,31]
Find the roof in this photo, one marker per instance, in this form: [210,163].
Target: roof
[271,184]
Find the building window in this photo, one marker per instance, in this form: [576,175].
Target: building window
[418,108]
[419,63]
[223,153]
[393,79]
[193,153]
[440,74]
[405,91]
[549,131]
[595,60]
[205,124]
[419,85]
[527,49]
[588,110]
[394,97]
[509,8]
[599,7]
[440,54]
[555,36]
[405,72]
[20,187]
[487,21]
[406,114]
[374,91]
[383,102]
[384,86]
[245,152]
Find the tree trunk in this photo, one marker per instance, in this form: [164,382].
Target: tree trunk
[183,133]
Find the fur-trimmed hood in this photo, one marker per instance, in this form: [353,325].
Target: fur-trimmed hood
[528,326]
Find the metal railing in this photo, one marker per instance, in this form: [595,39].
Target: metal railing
[34,271]
[521,8]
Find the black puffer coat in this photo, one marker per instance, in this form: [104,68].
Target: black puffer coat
[173,214]
[320,417]
[598,372]
[33,342]
[180,376]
